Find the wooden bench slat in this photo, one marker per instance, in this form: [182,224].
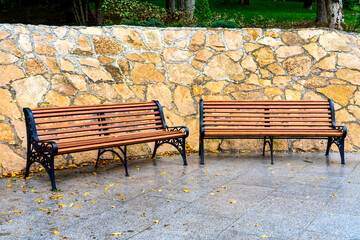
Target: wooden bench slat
[73,119]
[264,124]
[97,129]
[265,104]
[267,107]
[54,138]
[272,116]
[83,124]
[90,108]
[95,105]
[265,120]
[121,143]
[63,114]
[277,133]
[263,111]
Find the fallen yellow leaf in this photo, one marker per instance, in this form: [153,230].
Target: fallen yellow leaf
[93,202]
[332,195]
[156,221]
[264,236]
[232,201]
[185,190]
[117,234]
[71,205]
[56,232]
[163,173]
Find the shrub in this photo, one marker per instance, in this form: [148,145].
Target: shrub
[224,24]
[349,4]
[152,23]
[202,11]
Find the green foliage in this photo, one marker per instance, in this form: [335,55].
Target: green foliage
[120,11]
[349,4]
[202,11]
[152,23]
[224,24]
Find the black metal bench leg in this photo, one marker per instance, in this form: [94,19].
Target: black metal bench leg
[329,143]
[201,150]
[125,162]
[271,149]
[183,152]
[155,149]
[264,146]
[98,158]
[51,173]
[28,165]
[342,150]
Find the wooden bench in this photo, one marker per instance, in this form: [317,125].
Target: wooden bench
[62,130]
[269,120]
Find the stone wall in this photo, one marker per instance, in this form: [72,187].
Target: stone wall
[44,66]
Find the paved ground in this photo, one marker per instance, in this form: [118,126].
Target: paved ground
[239,196]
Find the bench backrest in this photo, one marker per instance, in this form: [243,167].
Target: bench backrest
[265,114]
[74,122]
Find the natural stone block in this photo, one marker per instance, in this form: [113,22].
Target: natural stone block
[64,46]
[282,81]
[253,79]
[338,93]
[4,34]
[265,73]
[8,106]
[10,47]
[198,65]
[198,38]
[215,86]
[11,161]
[327,63]
[61,84]
[333,42]
[20,130]
[309,145]
[42,46]
[181,73]
[233,39]
[86,99]
[29,91]
[238,77]
[253,95]
[153,39]
[172,118]
[354,110]
[103,90]
[134,57]
[96,74]
[292,94]
[66,65]
[254,33]
[269,41]
[143,72]
[9,73]
[241,87]
[315,51]
[129,36]
[291,38]
[234,55]
[34,66]
[276,69]
[349,60]
[288,51]
[124,66]
[107,46]
[271,34]
[139,91]
[343,115]
[79,81]
[172,35]
[353,133]
[298,66]
[92,62]
[308,34]
[92,30]
[60,32]
[264,56]
[51,63]
[176,55]
[181,43]
[204,55]
[272,91]
[220,67]
[84,46]
[153,58]
[123,90]
[106,60]
[240,144]
[7,58]
[215,42]
[159,92]
[249,63]
[25,43]
[327,74]
[249,47]
[314,82]
[357,97]
[183,100]
[57,99]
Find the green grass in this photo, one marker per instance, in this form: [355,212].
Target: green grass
[278,12]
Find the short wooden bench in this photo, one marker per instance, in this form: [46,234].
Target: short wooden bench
[63,130]
[270,119]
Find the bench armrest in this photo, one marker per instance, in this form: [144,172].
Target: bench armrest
[343,129]
[179,128]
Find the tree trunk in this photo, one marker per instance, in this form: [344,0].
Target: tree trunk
[321,13]
[98,13]
[190,6]
[308,4]
[181,5]
[244,2]
[334,10]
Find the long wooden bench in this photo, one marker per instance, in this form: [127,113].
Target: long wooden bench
[268,120]
[63,130]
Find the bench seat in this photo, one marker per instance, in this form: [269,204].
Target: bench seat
[106,127]
[269,119]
